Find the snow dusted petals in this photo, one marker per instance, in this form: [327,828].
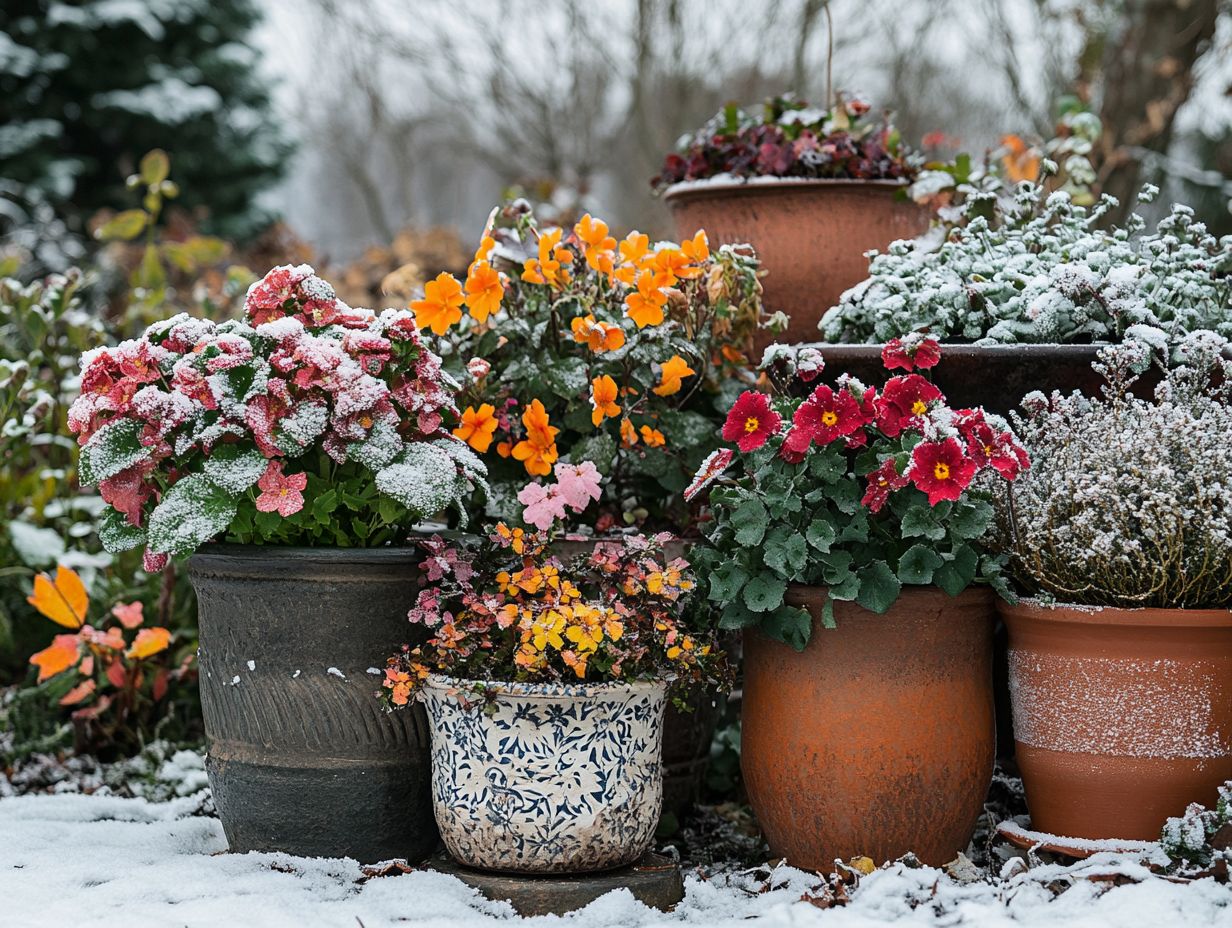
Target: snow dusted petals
[281,493]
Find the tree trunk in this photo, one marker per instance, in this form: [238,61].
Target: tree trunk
[1148,74]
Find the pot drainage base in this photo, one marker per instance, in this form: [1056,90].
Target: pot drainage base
[654,880]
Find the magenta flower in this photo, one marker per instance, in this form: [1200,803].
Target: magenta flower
[281,493]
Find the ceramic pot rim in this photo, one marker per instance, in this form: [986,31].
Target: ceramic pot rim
[1031,610]
[222,555]
[964,350]
[548,690]
[698,189]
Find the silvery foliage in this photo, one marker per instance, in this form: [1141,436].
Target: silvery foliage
[1039,268]
[1128,501]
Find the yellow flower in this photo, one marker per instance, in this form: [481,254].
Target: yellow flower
[547,630]
[603,393]
[477,426]
[645,305]
[441,306]
[674,370]
[652,438]
[484,291]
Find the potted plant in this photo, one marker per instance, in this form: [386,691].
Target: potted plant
[573,345]
[545,682]
[291,450]
[1028,279]
[1121,654]
[846,545]
[810,189]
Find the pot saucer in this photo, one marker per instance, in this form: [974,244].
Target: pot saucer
[1079,848]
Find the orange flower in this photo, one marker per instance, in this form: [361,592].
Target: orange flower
[674,263]
[599,246]
[484,290]
[546,269]
[636,245]
[645,305]
[538,450]
[674,370]
[63,600]
[628,434]
[599,336]
[59,656]
[603,393]
[1021,161]
[486,244]
[478,426]
[653,437]
[441,306]
[696,249]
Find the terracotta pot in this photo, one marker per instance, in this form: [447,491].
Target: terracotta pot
[301,757]
[546,777]
[1121,717]
[876,739]
[811,235]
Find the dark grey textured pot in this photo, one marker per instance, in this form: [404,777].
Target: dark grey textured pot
[300,759]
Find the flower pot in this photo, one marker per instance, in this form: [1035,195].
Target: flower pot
[1121,717]
[877,739]
[301,756]
[546,777]
[811,235]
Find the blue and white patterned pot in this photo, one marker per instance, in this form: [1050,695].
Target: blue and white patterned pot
[546,778]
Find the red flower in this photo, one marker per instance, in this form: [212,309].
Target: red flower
[881,483]
[795,445]
[266,298]
[903,403]
[716,462]
[989,448]
[941,469]
[281,493]
[826,415]
[914,351]
[751,421]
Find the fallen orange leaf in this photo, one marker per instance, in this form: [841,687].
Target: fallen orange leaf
[57,657]
[63,600]
[149,641]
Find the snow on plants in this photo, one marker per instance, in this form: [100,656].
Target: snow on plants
[1037,267]
[575,346]
[1129,501]
[307,422]
[857,489]
[791,139]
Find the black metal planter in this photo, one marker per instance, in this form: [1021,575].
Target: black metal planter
[301,756]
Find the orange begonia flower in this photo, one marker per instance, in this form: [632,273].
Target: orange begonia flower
[484,291]
[478,426]
[63,600]
[441,306]
[652,437]
[645,305]
[599,336]
[149,641]
[538,450]
[63,653]
[603,393]
[674,370]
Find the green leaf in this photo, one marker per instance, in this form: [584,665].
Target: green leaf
[820,534]
[827,613]
[726,582]
[917,565]
[785,551]
[234,468]
[878,587]
[117,533]
[599,448]
[827,466]
[113,448]
[791,625]
[764,592]
[566,377]
[190,513]
[324,505]
[737,615]
[155,166]
[971,519]
[918,521]
[749,520]
[149,274]
[845,586]
[423,478]
[957,574]
[123,226]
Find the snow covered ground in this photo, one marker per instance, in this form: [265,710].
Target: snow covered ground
[103,860]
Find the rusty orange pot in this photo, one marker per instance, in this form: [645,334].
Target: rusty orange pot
[1122,717]
[811,235]
[876,739]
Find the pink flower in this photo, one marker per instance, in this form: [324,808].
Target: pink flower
[578,484]
[153,562]
[544,505]
[478,368]
[267,297]
[281,493]
[130,614]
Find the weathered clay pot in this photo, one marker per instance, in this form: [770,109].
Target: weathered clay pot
[811,235]
[687,732]
[876,739]
[1121,717]
[301,757]
[546,777]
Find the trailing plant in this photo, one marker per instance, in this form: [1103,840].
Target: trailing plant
[308,422]
[1199,843]
[857,489]
[1129,501]
[577,347]
[1037,267]
[789,138]
[507,608]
